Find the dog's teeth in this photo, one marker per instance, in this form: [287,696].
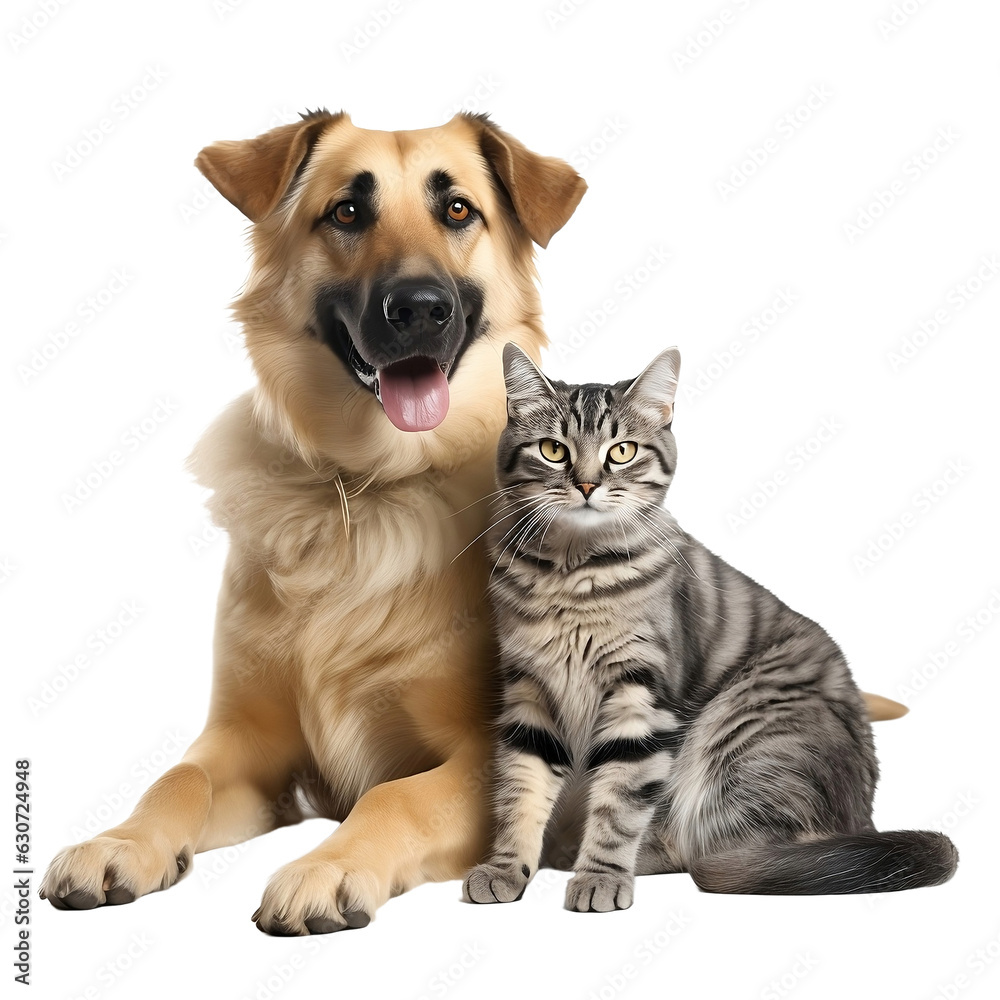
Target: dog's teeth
[378,390]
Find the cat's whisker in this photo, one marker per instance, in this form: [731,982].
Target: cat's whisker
[504,549]
[621,524]
[488,496]
[541,541]
[522,520]
[513,504]
[677,555]
[657,528]
[553,512]
[510,513]
[525,534]
[531,519]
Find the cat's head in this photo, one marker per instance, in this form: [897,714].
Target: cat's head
[593,455]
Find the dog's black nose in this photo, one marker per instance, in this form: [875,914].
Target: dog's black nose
[419,308]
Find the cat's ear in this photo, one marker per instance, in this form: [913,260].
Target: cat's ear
[525,383]
[656,387]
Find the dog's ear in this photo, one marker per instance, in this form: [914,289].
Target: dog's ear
[254,173]
[544,190]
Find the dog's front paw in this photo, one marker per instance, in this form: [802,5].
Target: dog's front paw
[599,892]
[496,882]
[110,870]
[313,896]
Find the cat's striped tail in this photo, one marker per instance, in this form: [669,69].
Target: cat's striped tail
[857,862]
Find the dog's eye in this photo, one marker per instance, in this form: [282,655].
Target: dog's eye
[459,210]
[345,212]
[552,451]
[622,452]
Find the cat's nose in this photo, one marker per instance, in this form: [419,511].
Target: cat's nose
[586,488]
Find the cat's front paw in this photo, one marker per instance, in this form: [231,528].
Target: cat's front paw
[599,892]
[496,882]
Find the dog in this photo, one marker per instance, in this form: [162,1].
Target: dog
[353,654]
[352,649]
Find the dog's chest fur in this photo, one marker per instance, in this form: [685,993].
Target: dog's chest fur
[356,624]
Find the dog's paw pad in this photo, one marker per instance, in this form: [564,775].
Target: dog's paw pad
[78,899]
[109,871]
[357,918]
[312,896]
[324,925]
[119,894]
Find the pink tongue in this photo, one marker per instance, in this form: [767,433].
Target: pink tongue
[414,394]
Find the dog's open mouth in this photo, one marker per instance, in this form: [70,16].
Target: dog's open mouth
[413,393]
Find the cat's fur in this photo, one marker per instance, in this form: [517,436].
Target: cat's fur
[661,711]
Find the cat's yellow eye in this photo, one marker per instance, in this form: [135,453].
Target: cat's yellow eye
[552,451]
[622,452]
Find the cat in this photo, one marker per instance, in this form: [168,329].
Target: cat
[660,711]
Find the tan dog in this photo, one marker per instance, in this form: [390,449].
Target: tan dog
[353,652]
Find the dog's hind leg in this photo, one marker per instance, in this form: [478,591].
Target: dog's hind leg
[428,827]
[233,784]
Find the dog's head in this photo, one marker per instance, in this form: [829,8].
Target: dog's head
[389,270]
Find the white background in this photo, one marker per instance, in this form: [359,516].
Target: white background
[600,85]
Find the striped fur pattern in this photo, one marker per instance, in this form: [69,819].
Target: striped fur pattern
[661,711]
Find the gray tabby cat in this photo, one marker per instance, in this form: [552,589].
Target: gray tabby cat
[661,711]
